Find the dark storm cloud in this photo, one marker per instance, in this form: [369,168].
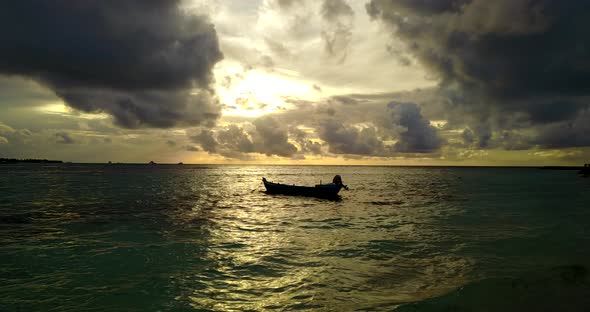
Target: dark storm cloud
[425,7]
[565,134]
[64,138]
[139,108]
[139,61]
[417,136]
[543,111]
[513,141]
[497,58]
[468,137]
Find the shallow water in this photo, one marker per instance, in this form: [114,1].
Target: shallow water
[206,238]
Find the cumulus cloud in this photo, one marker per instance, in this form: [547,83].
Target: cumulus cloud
[278,48]
[346,139]
[286,4]
[5,131]
[330,20]
[337,34]
[64,138]
[146,63]
[234,139]
[271,137]
[206,140]
[356,125]
[9,135]
[498,60]
[417,135]
[192,148]
[265,135]
[307,146]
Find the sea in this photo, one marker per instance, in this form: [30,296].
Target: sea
[98,237]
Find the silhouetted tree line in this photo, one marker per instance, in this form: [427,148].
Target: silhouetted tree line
[35,161]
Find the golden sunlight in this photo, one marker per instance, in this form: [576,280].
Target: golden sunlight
[255,92]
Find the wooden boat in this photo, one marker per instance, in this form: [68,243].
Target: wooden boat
[329,190]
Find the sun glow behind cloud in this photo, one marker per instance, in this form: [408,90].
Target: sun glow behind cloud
[255,92]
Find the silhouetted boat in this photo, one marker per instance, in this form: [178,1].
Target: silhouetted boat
[319,190]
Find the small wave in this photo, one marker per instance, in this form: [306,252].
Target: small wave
[386,203]
[24,218]
[563,288]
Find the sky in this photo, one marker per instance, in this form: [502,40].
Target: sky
[341,82]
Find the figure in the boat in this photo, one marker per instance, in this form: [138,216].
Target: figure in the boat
[338,181]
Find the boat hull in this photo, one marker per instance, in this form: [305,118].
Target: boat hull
[322,190]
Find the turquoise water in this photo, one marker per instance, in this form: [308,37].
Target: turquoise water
[206,238]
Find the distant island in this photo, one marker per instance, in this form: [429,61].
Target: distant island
[29,161]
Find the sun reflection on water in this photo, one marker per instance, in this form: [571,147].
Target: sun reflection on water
[275,252]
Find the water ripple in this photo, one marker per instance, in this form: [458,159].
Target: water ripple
[143,238]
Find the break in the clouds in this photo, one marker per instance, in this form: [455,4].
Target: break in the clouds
[146,63]
[504,64]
